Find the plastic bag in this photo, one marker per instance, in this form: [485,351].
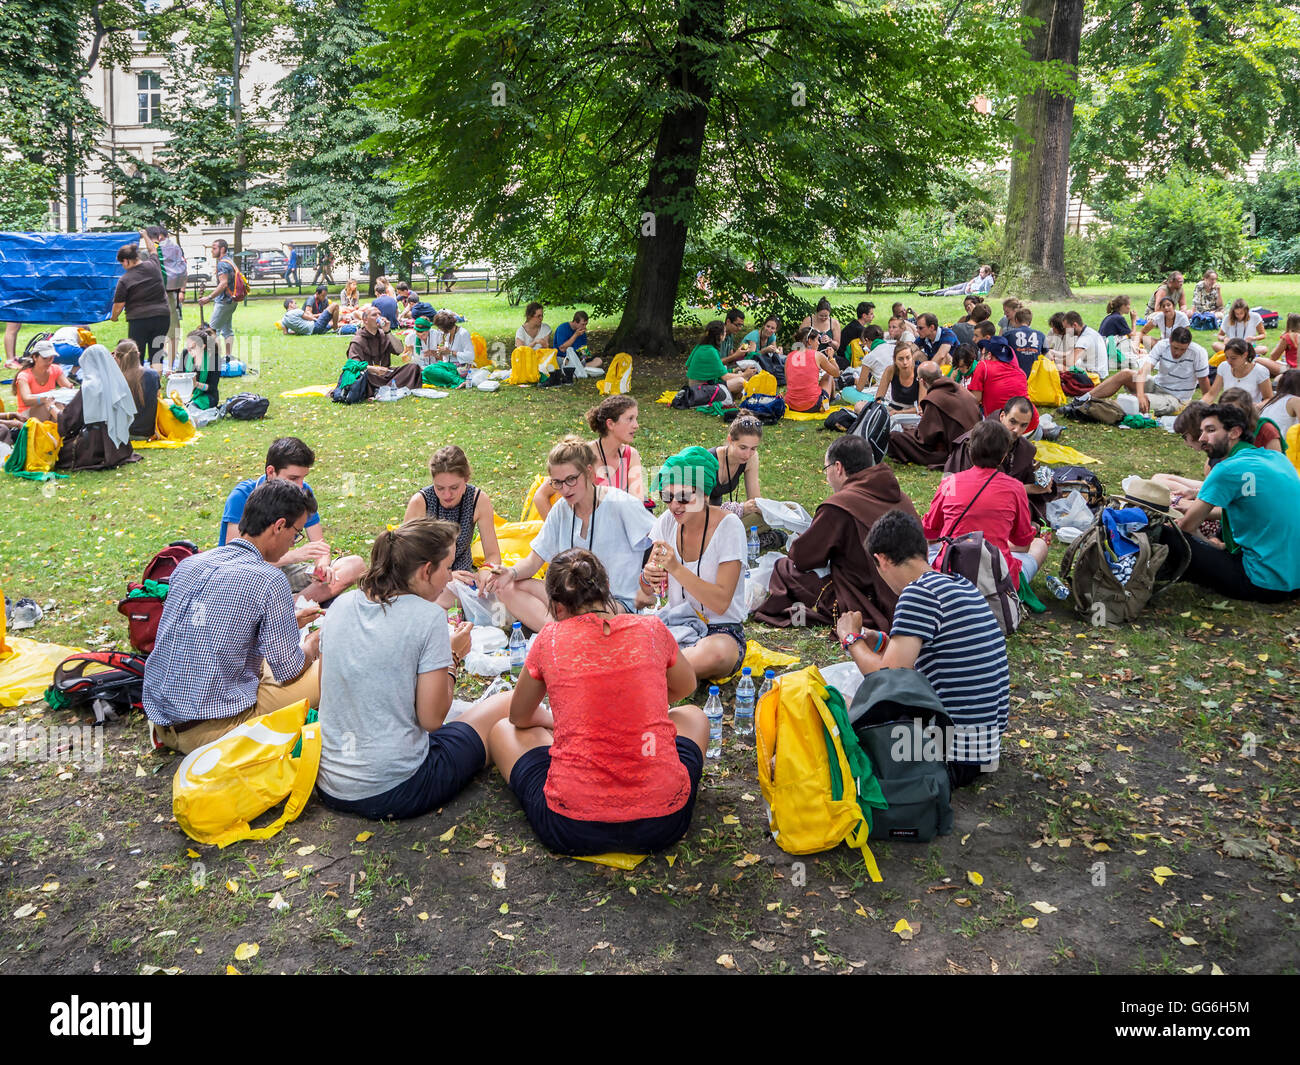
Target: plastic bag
[479,609]
[757,580]
[487,640]
[787,515]
[1072,511]
[845,677]
[201,417]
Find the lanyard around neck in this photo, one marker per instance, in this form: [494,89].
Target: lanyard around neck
[591,536]
[681,546]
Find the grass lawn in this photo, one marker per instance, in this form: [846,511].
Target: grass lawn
[1171,743]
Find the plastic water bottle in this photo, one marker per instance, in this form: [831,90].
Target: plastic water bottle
[754,549]
[518,650]
[1057,586]
[744,720]
[713,711]
[768,676]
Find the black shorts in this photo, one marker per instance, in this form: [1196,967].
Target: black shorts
[566,835]
[737,632]
[456,754]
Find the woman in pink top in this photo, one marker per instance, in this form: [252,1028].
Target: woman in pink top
[610,767]
[618,463]
[809,375]
[43,376]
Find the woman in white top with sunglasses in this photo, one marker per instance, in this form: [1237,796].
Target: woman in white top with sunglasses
[609,523]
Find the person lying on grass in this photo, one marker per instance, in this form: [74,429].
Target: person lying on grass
[309,569]
[606,521]
[942,628]
[389,664]
[610,767]
[618,463]
[451,498]
[698,557]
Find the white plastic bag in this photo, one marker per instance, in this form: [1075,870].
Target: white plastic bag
[477,377]
[489,386]
[1070,512]
[845,677]
[758,578]
[479,609]
[787,515]
[428,393]
[487,639]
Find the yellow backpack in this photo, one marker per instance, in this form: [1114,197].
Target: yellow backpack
[524,368]
[1045,384]
[43,444]
[173,420]
[1293,446]
[618,378]
[548,360]
[480,350]
[762,384]
[815,793]
[224,785]
[855,351]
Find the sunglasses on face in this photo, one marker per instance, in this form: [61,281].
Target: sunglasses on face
[568,482]
[679,497]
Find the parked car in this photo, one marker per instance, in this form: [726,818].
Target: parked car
[259,264]
[200,273]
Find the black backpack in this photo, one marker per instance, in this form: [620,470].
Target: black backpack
[1066,479]
[113,679]
[772,364]
[700,396]
[896,713]
[874,426]
[246,407]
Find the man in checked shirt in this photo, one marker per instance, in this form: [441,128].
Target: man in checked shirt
[227,647]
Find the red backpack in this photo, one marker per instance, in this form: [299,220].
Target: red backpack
[107,682]
[143,605]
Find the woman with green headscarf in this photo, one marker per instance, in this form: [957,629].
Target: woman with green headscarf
[698,558]
[419,345]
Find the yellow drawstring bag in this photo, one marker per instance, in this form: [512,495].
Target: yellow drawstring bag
[1045,384]
[43,443]
[224,785]
[810,788]
[1054,454]
[618,378]
[480,350]
[1293,446]
[855,351]
[514,541]
[529,513]
[524,369]
[173,421]
[548,360]
[762,384]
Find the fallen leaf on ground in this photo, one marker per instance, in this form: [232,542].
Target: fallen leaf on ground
[304,851]
[904,930]
[245,951]
[1029,922]
[747,860]
[26,910]
[447,836]
[1043,907]
[730,819]
[278,903]
[363,836]
[726,961]
[975,878]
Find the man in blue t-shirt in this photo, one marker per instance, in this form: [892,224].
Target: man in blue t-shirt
[1028,343]
[308,567]
[944,629]
[1259,493]
[223,296]
[571,339]
[386,303]
[935,340]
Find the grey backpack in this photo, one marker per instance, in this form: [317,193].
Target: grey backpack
[981,563]
[901,724]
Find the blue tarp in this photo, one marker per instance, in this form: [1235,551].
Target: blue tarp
[59,277]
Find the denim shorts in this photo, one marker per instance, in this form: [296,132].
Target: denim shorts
[737,632]
[456,754]
[223,314]
[567,835]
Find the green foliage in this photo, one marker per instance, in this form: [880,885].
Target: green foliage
[1082,260]
[207,169]
[25,193]
[1203,87]
[1185,222]
[343,184]
[1274,202]
[555,121]
[1112,255]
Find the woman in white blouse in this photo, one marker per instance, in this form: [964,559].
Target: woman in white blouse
[1241,323]
[1164,321]
[534,333]
[452,341]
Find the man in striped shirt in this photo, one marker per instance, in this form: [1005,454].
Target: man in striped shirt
[944,630]
[227,648]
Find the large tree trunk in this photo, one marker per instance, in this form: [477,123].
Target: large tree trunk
[70,184]
[646,327]
[1033,257]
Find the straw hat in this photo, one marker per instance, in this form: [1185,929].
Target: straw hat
[1146,493]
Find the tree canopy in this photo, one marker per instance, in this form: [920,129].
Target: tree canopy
[607,152]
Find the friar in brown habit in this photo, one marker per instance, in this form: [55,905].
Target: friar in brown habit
[947,412]
[837,538]
[1020,463]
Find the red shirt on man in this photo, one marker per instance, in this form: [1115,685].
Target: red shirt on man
[1001,512]
[999,382]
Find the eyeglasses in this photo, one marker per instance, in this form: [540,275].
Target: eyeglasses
[829,465]
[298,533]
[568,482]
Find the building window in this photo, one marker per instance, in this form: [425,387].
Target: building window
[298,215]
[149,94]
[223,91]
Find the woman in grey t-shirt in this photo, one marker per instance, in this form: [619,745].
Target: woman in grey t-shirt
[388,673]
